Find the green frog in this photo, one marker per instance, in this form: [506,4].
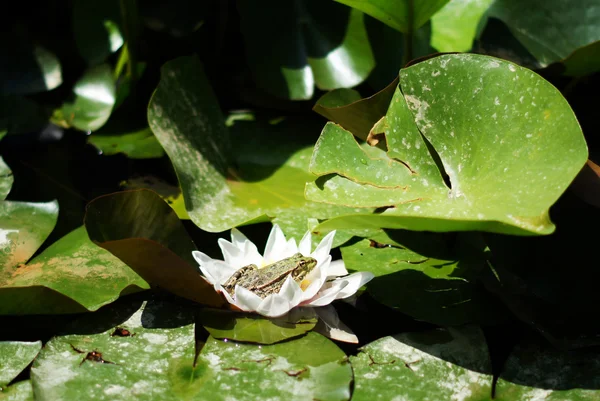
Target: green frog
[269,279]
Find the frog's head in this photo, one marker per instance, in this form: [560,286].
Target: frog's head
[303,266]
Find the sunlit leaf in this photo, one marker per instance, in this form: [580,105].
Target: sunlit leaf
[139,144]
[14,358]
[454,27]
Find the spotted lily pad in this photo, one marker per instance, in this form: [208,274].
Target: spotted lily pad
[450,364]
[14,357]
[506,138]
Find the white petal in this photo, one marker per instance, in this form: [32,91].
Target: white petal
[249,251]
[330,326]
[201,258]
[290,248]
[337,268]
[279,304]
[355,281]
[246,300]
[305,244]
[275,246]
[322,250]
[218,271]
[233,255]
[238,239]
[317,278]
[328,293]
[228,297]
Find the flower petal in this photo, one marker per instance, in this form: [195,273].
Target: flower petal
[355,281]
[337,268]
[331,326]
[275,247]
[305,244]
[219,288]
[233,255]
[238,239]
[327,294]
[201,258]
[249,251]
[217,271]
[279,304]
[317,278]
[290,248]
[322,250]
[246,300]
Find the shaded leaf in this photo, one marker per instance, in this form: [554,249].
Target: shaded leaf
[93,101]
[252,328]
[454,27]
[97,29]
[402,15]
[139,228]
[509,152]
[444,364]
[19,115]
[139,144]
[72,275]
[583,61]
[310,367]
[293,46]
[256,176]
[15,356]
[587,183]
[438,284]
[6,179]
[170,193]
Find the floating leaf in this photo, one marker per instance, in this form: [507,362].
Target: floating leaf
[72,275]
[252,328]
[402,15]
[139,228]
[449,364]
[509,151]
[20,391]
[96,28]
[291,47]
[435,284]
[257,175]
[541,25]
[139,144]
[454,27]
[15,356]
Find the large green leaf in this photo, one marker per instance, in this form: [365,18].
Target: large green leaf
[403,15]
[139,144]
[420,275]
[536,371]
[454,27]
[293,46]
[92,103]
[551,30]
[14,357]
[140,228]
[450,364]
[257,175]
[96,28]
[308,368]
[245,327]
[72,275]
[507,139]
[20,391]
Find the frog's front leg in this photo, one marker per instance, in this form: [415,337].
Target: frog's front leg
[235,277]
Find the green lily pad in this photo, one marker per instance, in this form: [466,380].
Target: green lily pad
[454,27]
[541,25]
[438,284]
[311,367]
[20,391]
[93,100]
[449,364]
[510,151]
[16,356]
[291,47]
[402,15]
[583,61]
[72,275]
[252,328]
[6,179]
[537,371]
[142,230]
[144,354]
[97,29]
[254,171]
[139,144]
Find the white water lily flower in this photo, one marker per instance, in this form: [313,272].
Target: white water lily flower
[328,281]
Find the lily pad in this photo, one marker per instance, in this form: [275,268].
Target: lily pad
[454,27]
[402,15]
[252,328]
[139,144]
[93,100]
[439,284]
[541,25]
[449,364]
[535,370]
[140,228]
[14,357]
[20,391]
[252,172]
[6,179]
[293,46]
[97,29]
[509,151]
[311,367]
[72,275]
